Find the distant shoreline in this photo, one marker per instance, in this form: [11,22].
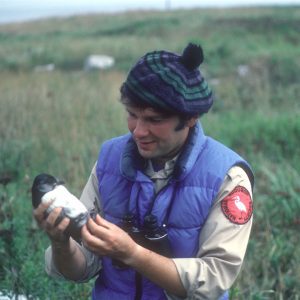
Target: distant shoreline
[10,15]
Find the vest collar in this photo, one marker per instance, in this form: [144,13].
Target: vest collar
[190,152]
[132,161]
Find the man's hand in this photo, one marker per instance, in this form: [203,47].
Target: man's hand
[52,224]
[107,239]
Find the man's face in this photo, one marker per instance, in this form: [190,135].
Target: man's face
[155,134]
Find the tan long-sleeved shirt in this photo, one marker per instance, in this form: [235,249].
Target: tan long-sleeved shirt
[222,243]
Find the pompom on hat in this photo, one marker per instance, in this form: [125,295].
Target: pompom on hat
[171,82]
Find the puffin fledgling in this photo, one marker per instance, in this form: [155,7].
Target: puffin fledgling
[47,188]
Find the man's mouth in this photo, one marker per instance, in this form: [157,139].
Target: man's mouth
[144,144]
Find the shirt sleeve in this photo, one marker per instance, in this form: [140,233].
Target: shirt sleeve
[91,199]
[90,196]
[222,247]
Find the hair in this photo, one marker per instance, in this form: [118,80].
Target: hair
[129,101]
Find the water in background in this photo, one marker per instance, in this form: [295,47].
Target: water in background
[21,10]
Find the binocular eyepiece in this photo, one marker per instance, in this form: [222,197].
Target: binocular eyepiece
[150,235]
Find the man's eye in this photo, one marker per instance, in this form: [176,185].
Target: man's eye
[156,120]
[131,115]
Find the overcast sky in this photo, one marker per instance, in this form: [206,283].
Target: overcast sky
[19,10]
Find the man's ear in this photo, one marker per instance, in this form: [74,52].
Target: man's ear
[192,122]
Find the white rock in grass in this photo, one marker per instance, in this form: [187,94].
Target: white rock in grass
[98,62]
[45,68]
[243,70]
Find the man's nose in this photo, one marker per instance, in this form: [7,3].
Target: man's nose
[141,129]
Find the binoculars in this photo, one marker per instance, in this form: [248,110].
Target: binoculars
[150,236]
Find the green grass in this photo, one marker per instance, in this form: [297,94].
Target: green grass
[55,122]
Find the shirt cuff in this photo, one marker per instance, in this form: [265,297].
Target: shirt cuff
[93,265]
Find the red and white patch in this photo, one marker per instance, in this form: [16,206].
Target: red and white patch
[237,206]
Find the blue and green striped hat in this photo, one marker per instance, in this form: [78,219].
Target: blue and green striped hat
[169,81]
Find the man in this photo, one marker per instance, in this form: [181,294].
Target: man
[165,177]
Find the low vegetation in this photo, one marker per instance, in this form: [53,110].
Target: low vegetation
[55,122]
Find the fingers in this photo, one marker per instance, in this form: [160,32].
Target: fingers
[45,216]
[94,243]
[98,235]
[96,228]
[87,236]
[102,222]
[39,212]
[53,223]
[105,238]
[101,228]
[63,225]
[55,218]
[56,226]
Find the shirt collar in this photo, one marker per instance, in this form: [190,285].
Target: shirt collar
[163,173]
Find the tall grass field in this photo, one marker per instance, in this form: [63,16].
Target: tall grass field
[55,122]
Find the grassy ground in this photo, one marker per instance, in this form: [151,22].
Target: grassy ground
[56,121]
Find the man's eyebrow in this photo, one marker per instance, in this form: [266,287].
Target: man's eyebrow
[130,111]
[159,116]
[163,115]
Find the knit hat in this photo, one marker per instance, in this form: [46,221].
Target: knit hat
[169,81]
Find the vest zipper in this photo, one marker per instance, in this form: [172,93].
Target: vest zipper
[171,202]
[138,276]
[138,286]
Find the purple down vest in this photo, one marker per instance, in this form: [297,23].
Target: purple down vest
[183,205]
